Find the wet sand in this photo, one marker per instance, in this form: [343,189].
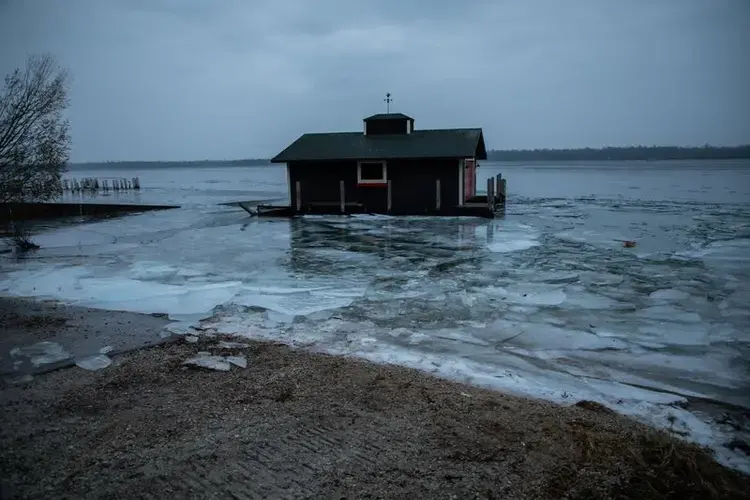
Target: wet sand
[295,424]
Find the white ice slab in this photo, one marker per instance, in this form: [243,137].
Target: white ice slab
[42,353]
[669,295]
[208,361]
[512,245]
[291,305]
[668,313]
[94,363]
[240,361]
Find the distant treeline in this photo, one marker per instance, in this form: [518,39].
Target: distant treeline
[167,164]
[630,153]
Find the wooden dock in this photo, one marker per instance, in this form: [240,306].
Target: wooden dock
[484,205]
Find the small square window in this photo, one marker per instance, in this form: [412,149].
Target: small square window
[371,172]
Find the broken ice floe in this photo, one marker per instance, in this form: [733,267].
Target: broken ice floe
[106,349]
[94,363]
[221,363]
[23,379]
[223,344]
[240,361]
[573,311]
[42,353]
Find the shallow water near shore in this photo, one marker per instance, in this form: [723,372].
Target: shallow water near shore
[544,300]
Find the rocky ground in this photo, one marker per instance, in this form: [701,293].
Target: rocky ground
[294,424]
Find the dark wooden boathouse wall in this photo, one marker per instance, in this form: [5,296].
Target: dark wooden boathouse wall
[413,186]
[320,181]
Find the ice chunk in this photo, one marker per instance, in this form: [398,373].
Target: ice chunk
[151,271]
[542,336]
[600,279]
[669,295]
[75,285]
[23,379]
[93,363]
[277,317]
[511,246]
[223,344]
[191,339]
[668,313]
[42,353]
[179,328]
[240,361]
[551,277]
[106,349]
[298,304]
[205,360]
[590,301]
[683,334]
[538,297]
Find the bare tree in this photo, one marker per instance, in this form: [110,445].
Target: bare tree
[34,140]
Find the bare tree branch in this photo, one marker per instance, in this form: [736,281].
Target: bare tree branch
[34,139]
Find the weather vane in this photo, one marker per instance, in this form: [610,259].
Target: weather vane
[388,102]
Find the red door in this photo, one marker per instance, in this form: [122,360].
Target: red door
[470,178]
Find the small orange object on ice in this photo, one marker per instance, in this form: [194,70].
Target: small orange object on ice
[628,244]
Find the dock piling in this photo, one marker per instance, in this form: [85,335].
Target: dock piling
[490,194]
[437,195]
[388,199]
[342,192]
[92,185]
[500,184]
[298,189]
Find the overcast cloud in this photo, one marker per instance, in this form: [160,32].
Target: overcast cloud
[194,79]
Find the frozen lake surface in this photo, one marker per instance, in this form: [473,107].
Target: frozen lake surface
[544,301]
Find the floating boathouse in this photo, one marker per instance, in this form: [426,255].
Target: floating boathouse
[390,167]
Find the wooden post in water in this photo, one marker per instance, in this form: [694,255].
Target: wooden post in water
[498,181]
[502,189]
[388,199]
[437,195]
[298,188]
[342,196]
[490,194]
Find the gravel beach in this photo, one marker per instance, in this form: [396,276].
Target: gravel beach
[295,424]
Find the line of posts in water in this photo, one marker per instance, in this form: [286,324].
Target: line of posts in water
[94,185]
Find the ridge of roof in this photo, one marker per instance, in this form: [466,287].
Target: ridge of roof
[388,116]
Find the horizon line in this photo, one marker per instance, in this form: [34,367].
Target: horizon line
[517,150]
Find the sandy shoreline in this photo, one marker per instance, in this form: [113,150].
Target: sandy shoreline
[295,424]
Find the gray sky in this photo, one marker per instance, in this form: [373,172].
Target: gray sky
[195,79]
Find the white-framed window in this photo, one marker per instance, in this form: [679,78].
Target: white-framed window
[372,172]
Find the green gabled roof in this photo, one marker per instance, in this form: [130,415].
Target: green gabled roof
[443,143]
